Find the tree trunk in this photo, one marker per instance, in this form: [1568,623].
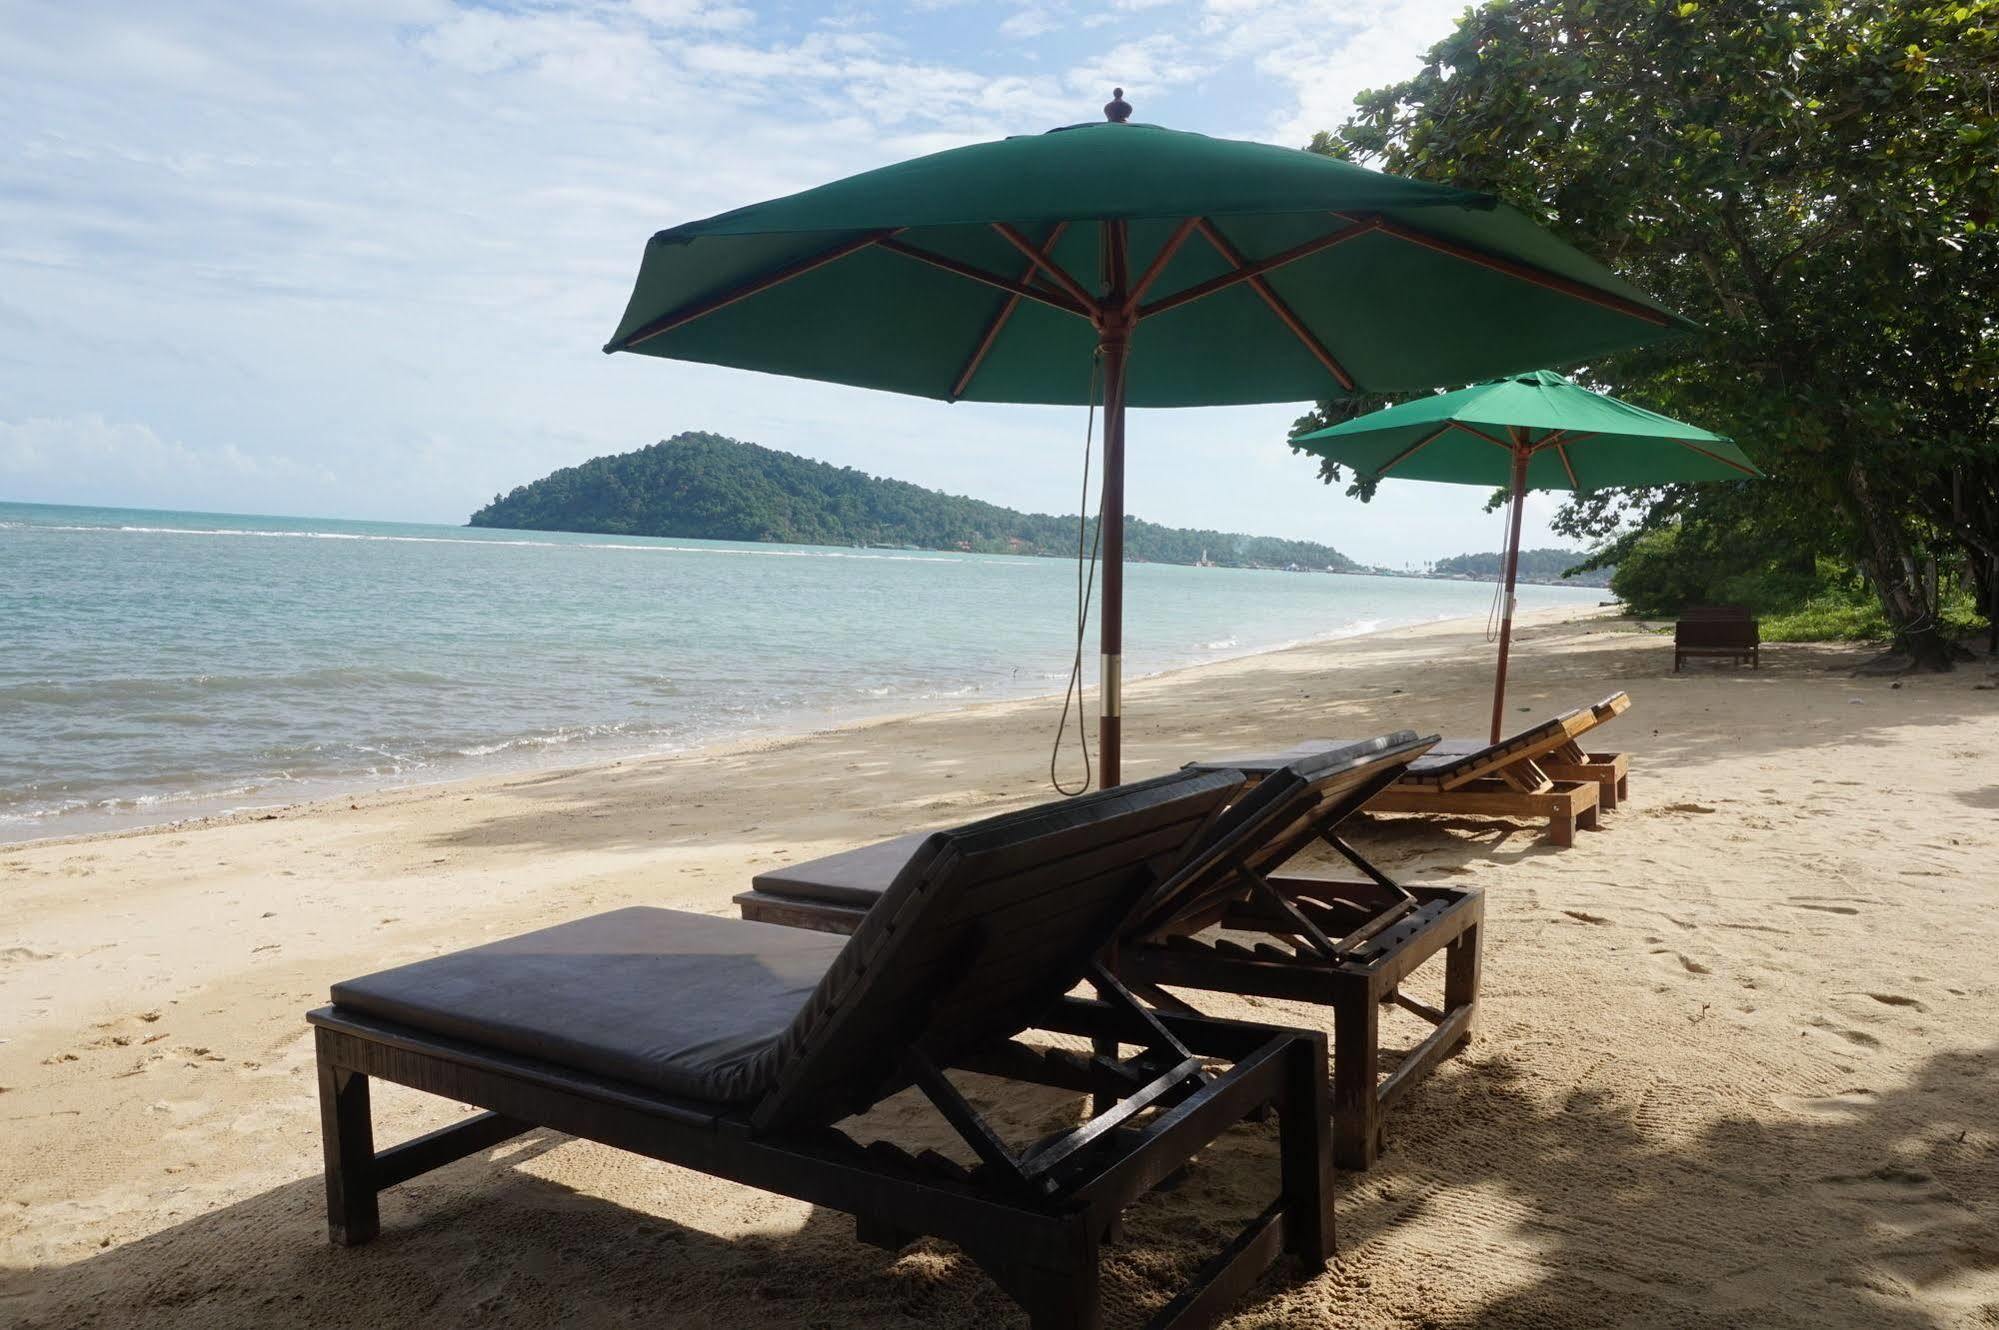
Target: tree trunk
[1890,569]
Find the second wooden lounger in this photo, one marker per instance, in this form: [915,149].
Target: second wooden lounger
[1542,771]
[736,1049]
[1344,944]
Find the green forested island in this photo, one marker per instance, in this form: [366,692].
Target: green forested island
[1547,565]
[705,487]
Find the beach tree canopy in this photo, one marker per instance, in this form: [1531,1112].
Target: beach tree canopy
[1133,265]
[1816,181]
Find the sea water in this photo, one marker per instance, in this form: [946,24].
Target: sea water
[157,665]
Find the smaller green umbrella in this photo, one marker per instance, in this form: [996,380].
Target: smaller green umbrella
[1527,431]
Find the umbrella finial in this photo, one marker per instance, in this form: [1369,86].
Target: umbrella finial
[1117,110]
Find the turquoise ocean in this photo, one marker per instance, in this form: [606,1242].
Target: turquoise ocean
[160,665]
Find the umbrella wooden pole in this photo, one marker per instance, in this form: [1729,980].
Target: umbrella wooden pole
[1512,572]
[1114,329]
[1110,711]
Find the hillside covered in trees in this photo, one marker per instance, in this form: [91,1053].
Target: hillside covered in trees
[706,487]
[1546,565]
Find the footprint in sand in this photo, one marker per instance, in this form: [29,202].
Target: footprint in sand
[1692,966]
[1846,1103]
[1860,1037]
[1897,1000]
[1583,916]
[1823,909]
[11,955]
[1682,808]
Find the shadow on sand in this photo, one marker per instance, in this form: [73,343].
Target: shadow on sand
[1866,1208]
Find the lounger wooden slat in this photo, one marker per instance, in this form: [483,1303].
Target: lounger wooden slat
[738,1049]
[1345,945]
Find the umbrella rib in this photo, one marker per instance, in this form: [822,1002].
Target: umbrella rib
[1261,266]
[999,321]
[1525,272]
[1479,433]
[1413,449]
[1568,466]
[1159,262]
[1716,457]
[1038,258]
[1060,300]
[687,314]
[1283,311]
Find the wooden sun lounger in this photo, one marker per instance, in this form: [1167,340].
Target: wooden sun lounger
[1540,772]
[735,1048]
[1346,945]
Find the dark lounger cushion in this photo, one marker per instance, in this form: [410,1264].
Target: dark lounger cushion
[1447,753]
[851,877]
[687,1004]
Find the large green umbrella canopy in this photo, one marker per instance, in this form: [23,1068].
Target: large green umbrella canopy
[1199,271]
[1527,431]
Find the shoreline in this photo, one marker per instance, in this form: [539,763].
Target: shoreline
[333,789]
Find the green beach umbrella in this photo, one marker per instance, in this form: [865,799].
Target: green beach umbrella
[1135,265]
[1527,431]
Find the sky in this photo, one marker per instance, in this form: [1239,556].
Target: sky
[356,258]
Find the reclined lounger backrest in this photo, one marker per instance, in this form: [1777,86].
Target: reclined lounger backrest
[980,932]
[1279,817]
[1611,707]
[1534,741]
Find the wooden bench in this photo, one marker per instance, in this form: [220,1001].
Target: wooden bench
[1717,630]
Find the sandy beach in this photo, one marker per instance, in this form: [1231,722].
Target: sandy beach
[1736,1064]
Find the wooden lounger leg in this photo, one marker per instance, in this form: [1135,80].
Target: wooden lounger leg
[1356,1068]
[1064,1299]
[1562,829]
[1461,977]
[1305,1144]
[353,1215]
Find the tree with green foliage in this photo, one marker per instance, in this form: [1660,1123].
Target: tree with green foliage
[1815,182]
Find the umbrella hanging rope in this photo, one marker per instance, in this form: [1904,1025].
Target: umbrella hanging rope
[1086,580]
[1492,612]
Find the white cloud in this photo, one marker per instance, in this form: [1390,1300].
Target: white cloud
[693,14]
[1325,55]
[42,457]
[1032,21]
[1152,64]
